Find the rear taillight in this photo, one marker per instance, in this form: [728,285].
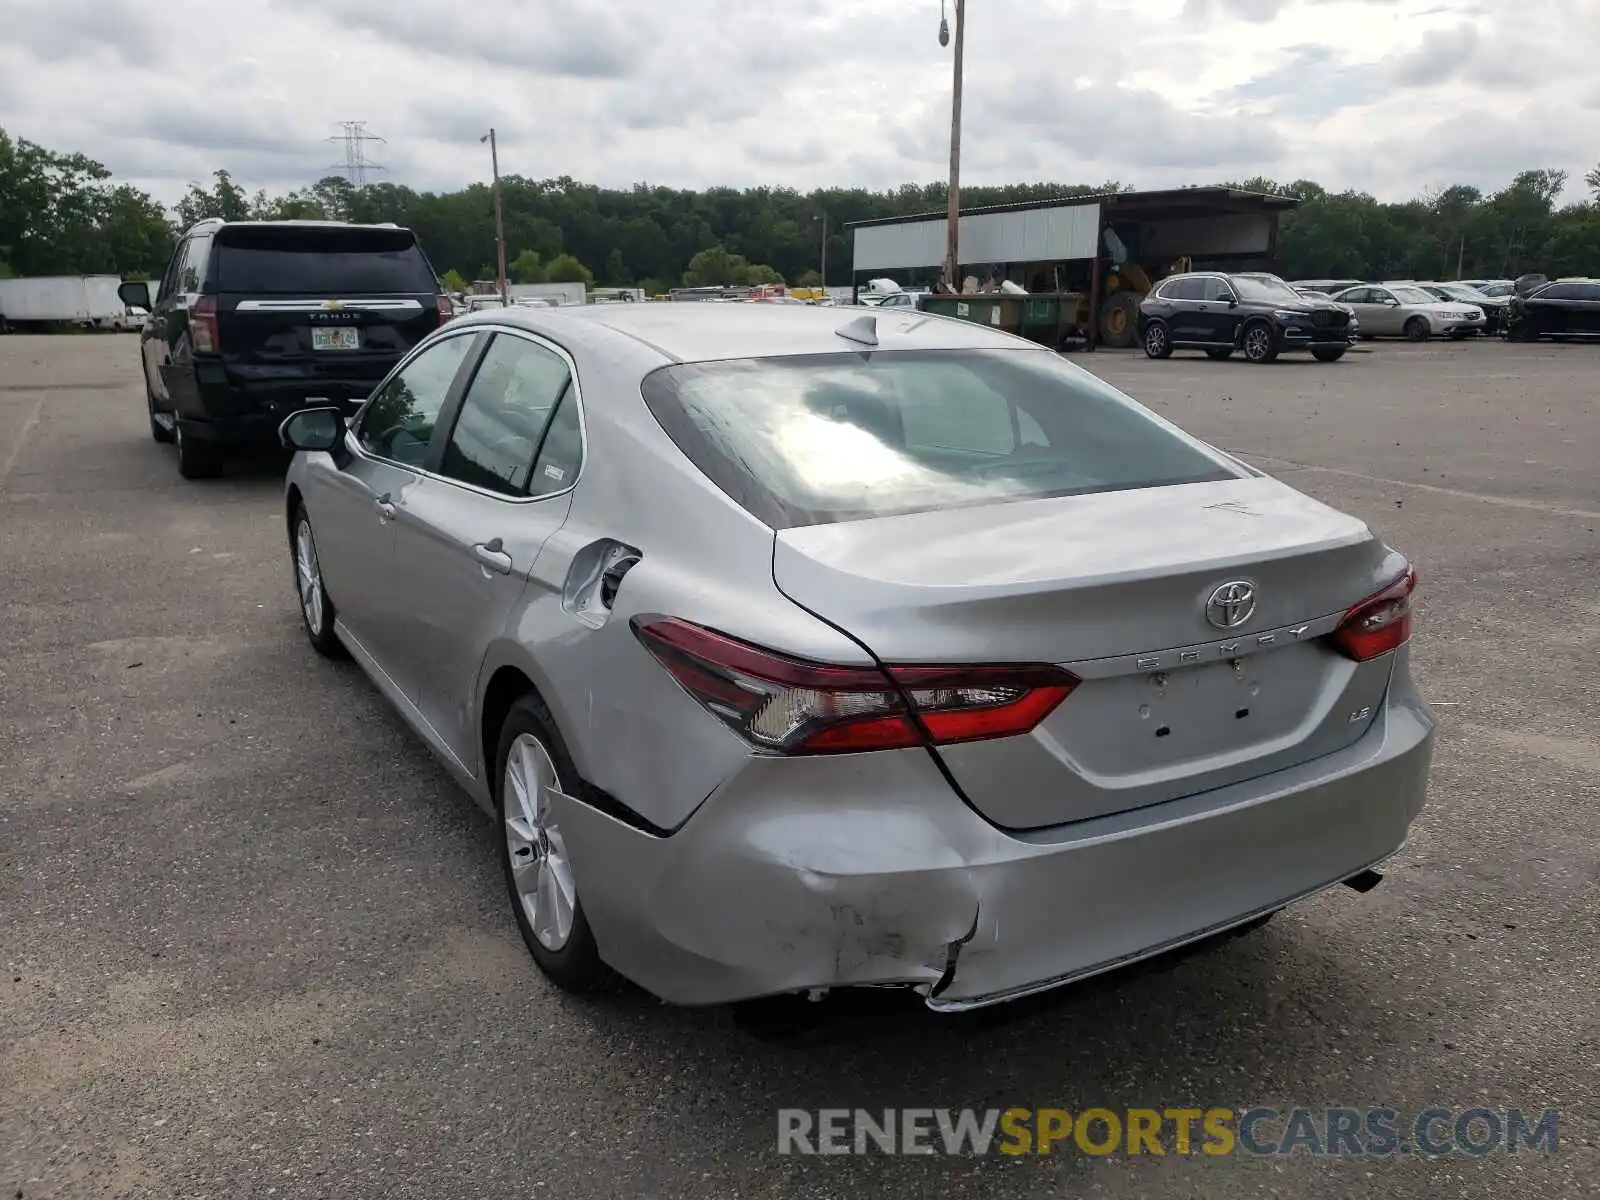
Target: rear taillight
[447,311]
[1380,623]
[790,706]
[203,326]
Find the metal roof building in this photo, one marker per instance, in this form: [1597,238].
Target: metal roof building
[1215,224]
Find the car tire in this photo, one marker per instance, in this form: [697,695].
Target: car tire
[1417,330]
[1327,353]
[197,459]
[158,431]
[1220,354]
[534,855]
[1260,344]
[1460,335]
[1157,340]
[317,613]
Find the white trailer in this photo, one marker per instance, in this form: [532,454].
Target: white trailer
[76,299]
[559,293]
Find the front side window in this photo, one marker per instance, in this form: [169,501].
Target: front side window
[169,280]
[1218,289]
[504,416]
[398,422]
[1413,295]
[813,439]
[1182,289]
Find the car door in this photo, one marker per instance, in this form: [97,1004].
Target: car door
[355,498]
[1178,304]
[162,329]
[1375,316]
[1219,317]
[500,484]
[1581,309]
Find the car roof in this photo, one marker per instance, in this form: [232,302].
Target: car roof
[699,332]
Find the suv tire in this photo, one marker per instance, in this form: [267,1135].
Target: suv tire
[196,459]
[1260,343]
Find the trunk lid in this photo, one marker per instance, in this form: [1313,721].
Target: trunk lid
[1115,587]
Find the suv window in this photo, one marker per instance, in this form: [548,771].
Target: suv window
[192,271]
[1217,289]
[504,418]
[270,259]
[169,280]
[398,422]
[813,439]
[1565,291]
[1182,289]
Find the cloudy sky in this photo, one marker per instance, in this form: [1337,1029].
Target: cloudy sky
[1390,96]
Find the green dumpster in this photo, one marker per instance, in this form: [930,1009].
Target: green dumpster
[1045,317]
[998,310]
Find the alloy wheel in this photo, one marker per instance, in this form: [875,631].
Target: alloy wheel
[308,574]
[1257,343]
[540,869]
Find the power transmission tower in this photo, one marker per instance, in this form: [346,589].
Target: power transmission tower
[356,163]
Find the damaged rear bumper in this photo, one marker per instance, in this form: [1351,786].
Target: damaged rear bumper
[867,870]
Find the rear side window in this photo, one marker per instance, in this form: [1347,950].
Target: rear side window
[814,439]
[505,416]
[331,260]
[1182,289]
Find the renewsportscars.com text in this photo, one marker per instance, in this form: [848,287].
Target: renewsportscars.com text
[1378,1132]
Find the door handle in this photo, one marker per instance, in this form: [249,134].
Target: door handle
[491,556]
[385,507]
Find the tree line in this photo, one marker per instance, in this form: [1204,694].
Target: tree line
[63,213]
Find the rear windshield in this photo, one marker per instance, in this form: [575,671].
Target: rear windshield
[813,439]
[322,261]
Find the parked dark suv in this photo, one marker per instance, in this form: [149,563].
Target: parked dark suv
[1259,314]
[254,320]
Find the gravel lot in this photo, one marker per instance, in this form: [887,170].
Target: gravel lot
[256,943]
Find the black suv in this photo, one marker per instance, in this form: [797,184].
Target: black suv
[1259,314]
[254,320]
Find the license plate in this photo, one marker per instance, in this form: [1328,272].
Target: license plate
[336,339]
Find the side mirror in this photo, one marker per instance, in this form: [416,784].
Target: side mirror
[312,429]
[134,295]
[1392,302]
[1233,301]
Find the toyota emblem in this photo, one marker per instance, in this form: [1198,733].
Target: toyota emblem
[1232,604]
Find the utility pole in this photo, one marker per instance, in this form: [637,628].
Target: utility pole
[824,248]
[952,265]
[499,220]
[1461,254]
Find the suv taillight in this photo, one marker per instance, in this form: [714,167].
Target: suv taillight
[447,310]
[1380,623]
[203,326]
[790,706]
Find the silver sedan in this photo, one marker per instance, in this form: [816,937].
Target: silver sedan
[795,649]
[1405,310]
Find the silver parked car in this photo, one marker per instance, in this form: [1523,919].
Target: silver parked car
[1405,310]
[803,648]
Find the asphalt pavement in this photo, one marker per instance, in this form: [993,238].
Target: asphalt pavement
[255,943]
